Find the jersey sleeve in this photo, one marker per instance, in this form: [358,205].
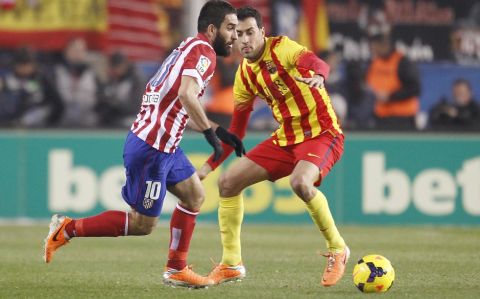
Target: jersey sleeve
[242,91]
[200,63]
[299,56]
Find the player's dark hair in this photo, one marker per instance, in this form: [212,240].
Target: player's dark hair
[249,12]
[214,12]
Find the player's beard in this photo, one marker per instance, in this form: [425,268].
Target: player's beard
[220,46]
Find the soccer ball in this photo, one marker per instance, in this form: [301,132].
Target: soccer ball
[373,274]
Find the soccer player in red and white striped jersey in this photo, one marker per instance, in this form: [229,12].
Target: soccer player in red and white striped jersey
[163,116]
[154,163]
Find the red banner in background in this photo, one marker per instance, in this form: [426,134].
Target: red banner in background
[54,40]
[49,25]
[139,28]
[313,31]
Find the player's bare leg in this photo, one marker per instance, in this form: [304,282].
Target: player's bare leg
[140,225]
[241,174]
[106,224]
[177,272]
[302,181]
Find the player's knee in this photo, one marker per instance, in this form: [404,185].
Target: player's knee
[139,225]
[197,199]
[302,187]
[226,186]
[147,229]
[141,229]
[194,200]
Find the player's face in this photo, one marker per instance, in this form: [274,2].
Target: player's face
[226,36]
[251,39]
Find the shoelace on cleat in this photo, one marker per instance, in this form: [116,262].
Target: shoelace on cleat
[330,260]
[215,265]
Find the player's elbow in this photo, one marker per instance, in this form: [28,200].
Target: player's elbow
[186,95]
[183,97]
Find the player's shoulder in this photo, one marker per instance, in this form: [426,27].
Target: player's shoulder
[200,56]
[279,42]
[199,50]
[282,40]
[196,45]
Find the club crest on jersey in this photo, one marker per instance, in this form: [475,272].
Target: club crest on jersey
[148,203]
[272,69]
[203,64]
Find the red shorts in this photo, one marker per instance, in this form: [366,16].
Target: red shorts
[279,161]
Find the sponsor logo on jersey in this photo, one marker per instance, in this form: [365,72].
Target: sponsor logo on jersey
[203,64]
[151,98]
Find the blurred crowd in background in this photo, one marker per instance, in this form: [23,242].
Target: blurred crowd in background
[395,65]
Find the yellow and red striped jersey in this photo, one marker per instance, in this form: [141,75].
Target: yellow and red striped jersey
[301,111]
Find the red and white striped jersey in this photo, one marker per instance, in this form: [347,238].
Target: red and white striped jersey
[162,117]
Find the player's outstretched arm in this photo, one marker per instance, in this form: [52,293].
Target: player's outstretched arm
[188,96]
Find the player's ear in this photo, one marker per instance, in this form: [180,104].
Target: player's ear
[211,31]
[262,30]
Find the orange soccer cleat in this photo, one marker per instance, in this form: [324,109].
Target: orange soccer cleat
[336,262]
[56,237]
[224,273]
[185,278]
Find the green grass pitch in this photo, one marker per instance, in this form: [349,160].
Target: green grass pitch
[281,261]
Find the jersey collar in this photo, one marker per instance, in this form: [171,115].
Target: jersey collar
[202,37]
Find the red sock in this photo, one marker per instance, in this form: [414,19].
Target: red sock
[107,224]
[182,224]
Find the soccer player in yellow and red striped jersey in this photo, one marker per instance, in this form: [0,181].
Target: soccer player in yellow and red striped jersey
[308,142]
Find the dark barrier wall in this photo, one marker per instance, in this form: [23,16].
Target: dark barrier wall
[391,178]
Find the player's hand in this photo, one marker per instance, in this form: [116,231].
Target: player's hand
[204,171]
[231,139]
[214,142]
[315,81]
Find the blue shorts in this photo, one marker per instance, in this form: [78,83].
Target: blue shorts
[149,173]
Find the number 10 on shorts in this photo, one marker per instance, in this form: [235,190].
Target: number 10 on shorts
[151,194]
